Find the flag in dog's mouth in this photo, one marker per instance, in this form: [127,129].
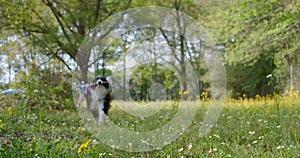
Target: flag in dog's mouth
[82,92]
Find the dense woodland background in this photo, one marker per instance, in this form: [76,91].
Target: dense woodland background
[259,42]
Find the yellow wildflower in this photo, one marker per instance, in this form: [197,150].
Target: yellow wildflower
[83,147]
[198,97]
[1,125]
[180,92]
[186,92]
[9,110]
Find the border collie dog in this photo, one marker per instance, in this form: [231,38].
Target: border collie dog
[98,97]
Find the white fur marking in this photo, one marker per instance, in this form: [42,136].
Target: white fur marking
[101,116]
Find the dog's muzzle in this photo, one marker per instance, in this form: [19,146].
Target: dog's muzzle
[99,83]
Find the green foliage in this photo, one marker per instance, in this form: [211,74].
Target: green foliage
[260,37]
[252,79]
[145,76]
[49,90]
[42,89]
[254,30]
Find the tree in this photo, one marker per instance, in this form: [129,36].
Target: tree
[58,27]
[178,42]
[259,32]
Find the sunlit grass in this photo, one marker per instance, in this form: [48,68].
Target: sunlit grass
[259,127]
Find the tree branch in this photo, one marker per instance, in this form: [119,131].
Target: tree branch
[169,43]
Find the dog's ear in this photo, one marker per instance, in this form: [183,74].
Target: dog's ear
[105,82]
[96,79]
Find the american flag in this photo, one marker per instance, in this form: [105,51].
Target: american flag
[82,91]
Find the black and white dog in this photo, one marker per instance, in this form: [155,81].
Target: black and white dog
[98,97]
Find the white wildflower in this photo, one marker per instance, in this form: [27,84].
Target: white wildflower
[251,132]
[280,147]
[260,137]
[180,150]
[217,136]
[190,146]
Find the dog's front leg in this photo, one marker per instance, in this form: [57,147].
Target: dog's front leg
[101,114]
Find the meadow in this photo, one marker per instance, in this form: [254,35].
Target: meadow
[259,127]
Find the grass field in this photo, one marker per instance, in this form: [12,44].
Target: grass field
[261,127]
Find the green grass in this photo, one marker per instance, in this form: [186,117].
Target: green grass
[244,129]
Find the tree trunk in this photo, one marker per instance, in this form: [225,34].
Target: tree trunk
[83,61]
[183,84]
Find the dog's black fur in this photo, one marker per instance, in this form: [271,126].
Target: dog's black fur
[100,87]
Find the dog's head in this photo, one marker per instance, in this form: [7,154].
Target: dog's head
[101,81]
[101,86]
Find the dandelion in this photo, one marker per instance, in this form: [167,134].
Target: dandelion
[186,92]
[198,97]
[257,97]
[244,96]
[1,124]
[9,110]
[180,92]
[83,147]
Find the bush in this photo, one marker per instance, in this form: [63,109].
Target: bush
[43,89]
